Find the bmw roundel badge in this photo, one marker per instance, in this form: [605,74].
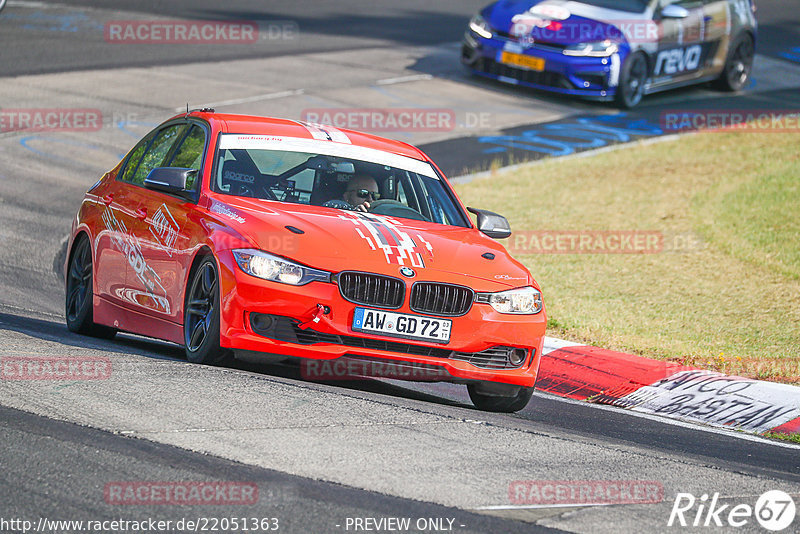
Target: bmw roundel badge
[407,272]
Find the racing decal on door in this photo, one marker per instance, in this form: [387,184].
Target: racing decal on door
[165,229]
[381,233]
[679,60]
[126,243]
[224,210]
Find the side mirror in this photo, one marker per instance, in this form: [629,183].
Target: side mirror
[674,11]
[490,223]
[171,180]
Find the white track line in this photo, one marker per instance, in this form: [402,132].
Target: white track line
[248,99]
[537,506]
[404,79]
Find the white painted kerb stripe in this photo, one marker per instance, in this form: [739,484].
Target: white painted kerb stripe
[551,344]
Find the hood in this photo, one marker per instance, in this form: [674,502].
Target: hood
[337,240]
[560,21]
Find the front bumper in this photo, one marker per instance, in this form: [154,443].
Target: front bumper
[589,77]
[475,350]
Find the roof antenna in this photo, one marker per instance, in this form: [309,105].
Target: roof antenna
[187,108]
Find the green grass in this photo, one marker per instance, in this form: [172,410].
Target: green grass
[793,438]
[729,302]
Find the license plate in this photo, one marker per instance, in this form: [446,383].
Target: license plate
[393,324]
[520,60]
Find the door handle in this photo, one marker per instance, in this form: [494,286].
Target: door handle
[141,213]
[108,199]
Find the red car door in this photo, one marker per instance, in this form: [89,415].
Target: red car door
[144,289]
[682,50]
[113,230]
[167,233]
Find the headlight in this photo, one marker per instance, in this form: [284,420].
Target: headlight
[479,25]
[596,49]
[524,300]
[264,265]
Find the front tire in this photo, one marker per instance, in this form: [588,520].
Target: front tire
[738,66]
[80,293]
[201,316]
[517,400]
[632,80]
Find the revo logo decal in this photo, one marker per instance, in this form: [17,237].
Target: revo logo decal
[678,60]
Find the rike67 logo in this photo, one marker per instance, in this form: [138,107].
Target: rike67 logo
[774,510]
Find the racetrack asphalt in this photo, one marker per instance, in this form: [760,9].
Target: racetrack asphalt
[74,488]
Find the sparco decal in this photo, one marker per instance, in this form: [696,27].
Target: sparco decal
[678,60]
[238,177]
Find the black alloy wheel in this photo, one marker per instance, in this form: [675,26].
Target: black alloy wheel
[201,316]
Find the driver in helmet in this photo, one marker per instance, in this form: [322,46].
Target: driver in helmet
[361,190]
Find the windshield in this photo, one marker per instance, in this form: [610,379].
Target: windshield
[333,175]
[633,6]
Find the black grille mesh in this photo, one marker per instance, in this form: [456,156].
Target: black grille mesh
[372,289]
[441,299]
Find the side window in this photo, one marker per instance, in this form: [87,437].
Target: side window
[190,154]
[157,152]
[304,180]
[135,158]
[401,194]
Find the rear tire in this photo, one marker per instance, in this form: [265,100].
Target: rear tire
[632,79]
[492,403]
[79,297]
[738,66]
[201,316]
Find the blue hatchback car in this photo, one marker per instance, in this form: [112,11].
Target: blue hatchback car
[613,49]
